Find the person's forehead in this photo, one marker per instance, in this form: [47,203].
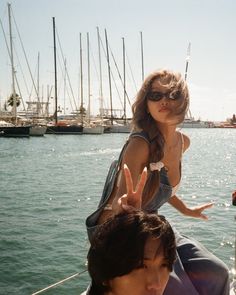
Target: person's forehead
[156,85]
[153,248]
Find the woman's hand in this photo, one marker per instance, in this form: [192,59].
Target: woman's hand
[132,200]
[197,211]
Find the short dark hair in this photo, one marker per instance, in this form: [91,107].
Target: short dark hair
[117,247]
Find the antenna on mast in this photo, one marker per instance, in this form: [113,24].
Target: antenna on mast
[187,61]
[141,36]
[189,114]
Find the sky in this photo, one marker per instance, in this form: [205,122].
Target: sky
[167,28]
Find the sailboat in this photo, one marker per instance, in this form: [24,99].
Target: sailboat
[58,127]
[190,121]
[13,129]
[10,130]
[89,127]
[125,126]
[117,124]
[37,128]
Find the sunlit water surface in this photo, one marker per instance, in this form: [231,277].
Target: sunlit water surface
[49,185]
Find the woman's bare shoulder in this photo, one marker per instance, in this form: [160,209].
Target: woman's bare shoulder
[139,144]
[137,149]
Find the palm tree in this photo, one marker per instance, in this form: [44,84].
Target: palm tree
[10,100]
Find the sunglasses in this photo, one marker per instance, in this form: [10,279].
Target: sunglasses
[157,96]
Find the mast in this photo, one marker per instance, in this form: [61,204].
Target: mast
[100,76]
[55,69]
[189,114]
[14,110]
[187,61]
[81,81]
[124,79]
[109,76]
[141,37]
[89,95]
[38,99]
[48,98]
[65,87]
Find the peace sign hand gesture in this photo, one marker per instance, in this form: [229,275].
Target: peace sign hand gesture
[132,200]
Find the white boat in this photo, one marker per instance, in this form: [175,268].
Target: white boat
[191,123]
[37,130]
[97,129]
[118,128]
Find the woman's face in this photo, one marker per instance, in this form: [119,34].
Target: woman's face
[151,279]
[162,108]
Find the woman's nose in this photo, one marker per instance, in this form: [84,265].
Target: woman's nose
[165,101]
[154,282]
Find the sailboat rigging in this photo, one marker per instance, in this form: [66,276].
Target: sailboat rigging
[90,127]
[60,127]
[109,76]
[8,129]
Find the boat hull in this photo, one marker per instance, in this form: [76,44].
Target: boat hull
[195,124]
[37,130]
[93,130]
[15,131]
[117,129]
[72,129]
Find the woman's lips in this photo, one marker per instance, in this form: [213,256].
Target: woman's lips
[164,109]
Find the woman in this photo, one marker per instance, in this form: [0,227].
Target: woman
[131,253]
[160,106]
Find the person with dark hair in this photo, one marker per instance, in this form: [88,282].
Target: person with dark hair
[156,143]
[131,253]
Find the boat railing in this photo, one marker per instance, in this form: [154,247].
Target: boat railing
[60,282]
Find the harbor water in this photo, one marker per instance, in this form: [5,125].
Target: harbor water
[48,186]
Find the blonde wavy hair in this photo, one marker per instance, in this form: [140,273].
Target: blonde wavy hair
[143,121]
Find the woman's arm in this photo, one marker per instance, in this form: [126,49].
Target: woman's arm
[196,212]
[136,158]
